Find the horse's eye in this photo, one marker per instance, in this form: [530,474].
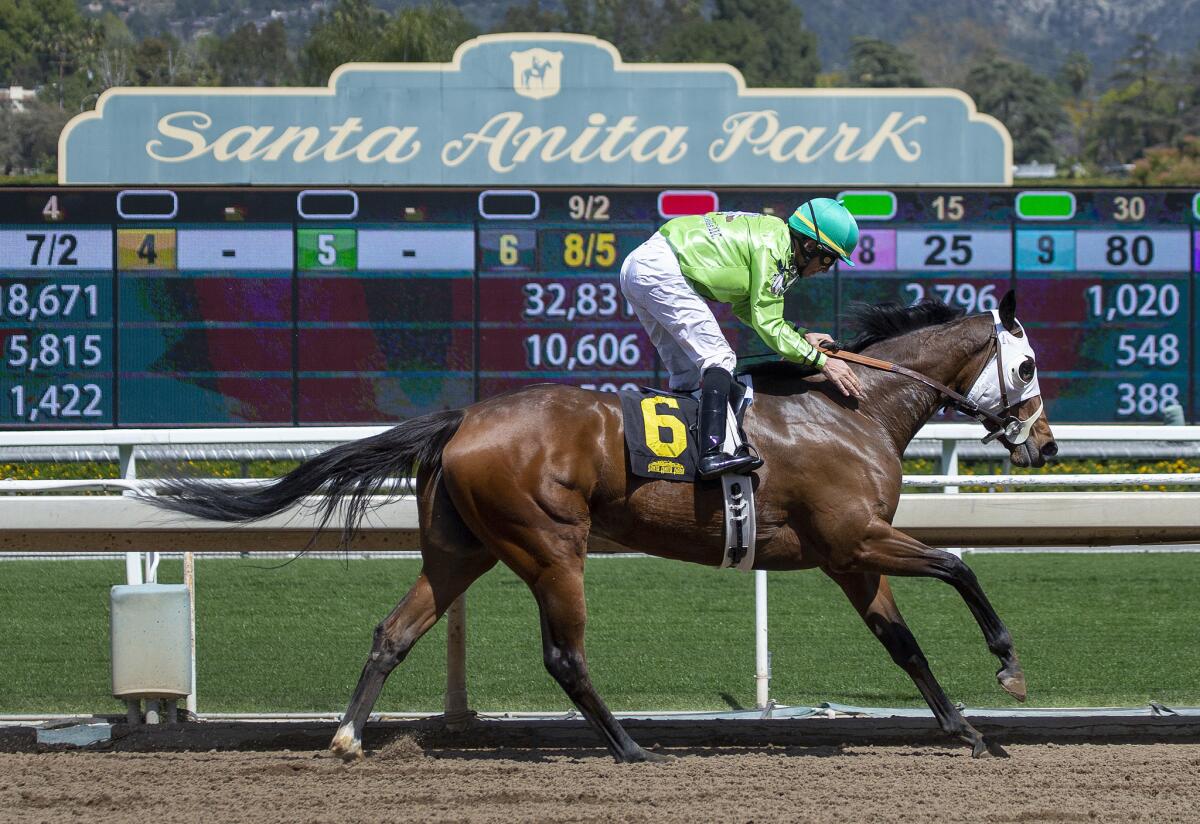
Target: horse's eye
[1026,369]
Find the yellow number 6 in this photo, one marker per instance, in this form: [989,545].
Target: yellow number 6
[509,251]
[655,423]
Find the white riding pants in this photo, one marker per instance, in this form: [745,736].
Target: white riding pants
[679,322]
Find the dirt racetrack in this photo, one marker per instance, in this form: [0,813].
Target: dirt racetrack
[1130,782]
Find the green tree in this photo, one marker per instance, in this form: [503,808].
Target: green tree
[635,27]
[355,31]
[43,43]
[424,34]
[1191,89]
[29,138]
[18,63]
[531,16]
[1026,102]
[1073,77]
[251,57]
[347,33]
[765,40]
[1075,74]
[161,61]
[64,41]
[878,64]
[1140,63]
[112,62]
[1142,110]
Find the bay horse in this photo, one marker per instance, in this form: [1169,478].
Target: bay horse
[528,477]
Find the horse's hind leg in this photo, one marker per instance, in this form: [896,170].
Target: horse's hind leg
[872,597]
[544,542]
[453,560]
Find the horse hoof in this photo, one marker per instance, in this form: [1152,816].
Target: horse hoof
[981,747]
[647,757]
[346,747]
[1012,683]
[974,739]
[349,756]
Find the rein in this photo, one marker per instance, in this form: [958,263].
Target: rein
[1010,426]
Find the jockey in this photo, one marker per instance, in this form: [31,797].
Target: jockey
[747,260]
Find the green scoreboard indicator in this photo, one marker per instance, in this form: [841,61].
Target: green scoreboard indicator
[279,306]
[327,249]
[1045,205]
[870,205]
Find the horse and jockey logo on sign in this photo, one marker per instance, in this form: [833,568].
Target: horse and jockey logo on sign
[536,72]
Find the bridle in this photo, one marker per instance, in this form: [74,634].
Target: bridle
[1015,430]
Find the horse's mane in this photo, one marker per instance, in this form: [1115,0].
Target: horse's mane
[871,323]
[874,322]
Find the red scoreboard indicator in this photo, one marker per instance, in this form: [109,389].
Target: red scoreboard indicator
[679,203]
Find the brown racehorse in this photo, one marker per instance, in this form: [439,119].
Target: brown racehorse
[528,477]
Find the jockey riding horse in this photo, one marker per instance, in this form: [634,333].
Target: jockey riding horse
[747,260]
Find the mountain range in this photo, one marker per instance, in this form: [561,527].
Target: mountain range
[943,35]
[1038,32]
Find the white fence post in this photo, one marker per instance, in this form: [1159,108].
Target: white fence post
[950,462]
[189,580]
[762,655]
[133,568]
[127,468]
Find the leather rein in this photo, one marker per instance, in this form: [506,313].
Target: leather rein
[1009,425]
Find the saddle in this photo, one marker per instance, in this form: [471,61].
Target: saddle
[661,435]
[661,429]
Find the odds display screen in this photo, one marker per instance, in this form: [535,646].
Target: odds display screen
[283,306]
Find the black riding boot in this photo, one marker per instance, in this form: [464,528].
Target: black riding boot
[714,403]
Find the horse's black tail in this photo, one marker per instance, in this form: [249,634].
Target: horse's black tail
[349,475]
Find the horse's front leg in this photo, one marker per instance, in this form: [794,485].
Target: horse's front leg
[886,550]
[872,597]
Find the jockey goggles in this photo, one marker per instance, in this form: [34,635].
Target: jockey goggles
[826,255]
[785,277]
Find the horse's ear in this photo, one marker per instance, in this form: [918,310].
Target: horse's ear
[1008,311]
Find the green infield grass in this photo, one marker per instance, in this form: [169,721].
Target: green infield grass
[1092,630]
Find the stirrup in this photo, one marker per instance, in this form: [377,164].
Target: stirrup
[718,464]
[745,450]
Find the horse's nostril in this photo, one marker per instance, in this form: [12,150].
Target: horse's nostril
[1050,449]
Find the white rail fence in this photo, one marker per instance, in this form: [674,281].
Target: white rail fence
[82,524]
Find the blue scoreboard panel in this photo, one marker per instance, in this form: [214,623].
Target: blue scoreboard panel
[262,306]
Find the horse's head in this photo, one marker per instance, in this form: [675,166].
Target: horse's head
[1007,386]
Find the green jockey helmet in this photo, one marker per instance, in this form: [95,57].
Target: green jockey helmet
[829,223]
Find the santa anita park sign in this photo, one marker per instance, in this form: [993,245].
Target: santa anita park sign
[535,109]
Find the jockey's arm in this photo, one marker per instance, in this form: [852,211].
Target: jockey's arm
[763,311]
